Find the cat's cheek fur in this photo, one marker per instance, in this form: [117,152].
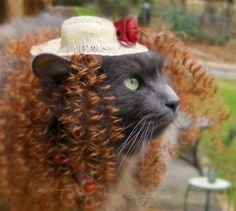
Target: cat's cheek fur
[127,193]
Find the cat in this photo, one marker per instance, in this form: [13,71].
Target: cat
[146,105]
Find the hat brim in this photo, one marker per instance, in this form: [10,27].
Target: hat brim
[54,47]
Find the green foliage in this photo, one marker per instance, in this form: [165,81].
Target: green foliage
[224,163]
[229,139]
[118,9]
[181,22]
[201,36]
[219,40]
[70,2]
[187,23]
[112,7]
[86,11]
[227,89]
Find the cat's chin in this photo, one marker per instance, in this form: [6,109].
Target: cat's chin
[153,129]
[159,129]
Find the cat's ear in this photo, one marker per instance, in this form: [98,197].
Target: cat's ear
[51,69]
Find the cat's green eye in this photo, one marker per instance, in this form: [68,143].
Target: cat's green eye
[131,83]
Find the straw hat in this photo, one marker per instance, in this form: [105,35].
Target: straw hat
[87,35]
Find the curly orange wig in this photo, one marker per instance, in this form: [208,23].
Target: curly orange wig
[41,170]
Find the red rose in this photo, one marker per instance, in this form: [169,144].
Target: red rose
[127,30]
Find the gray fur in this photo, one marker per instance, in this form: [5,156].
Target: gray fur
[19,28]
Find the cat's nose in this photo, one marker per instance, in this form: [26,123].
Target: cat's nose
[173,105]
[172,100]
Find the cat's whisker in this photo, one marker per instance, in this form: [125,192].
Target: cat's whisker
[142,139]
[119,148]
[134,139]
[130,147]
[145,140]
[151,134]
[123,129]
[142,152]
[128,138]
[130,141]
[148,143]
[132,132]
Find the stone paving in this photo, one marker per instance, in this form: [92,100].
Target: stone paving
[220,70]
[170,196]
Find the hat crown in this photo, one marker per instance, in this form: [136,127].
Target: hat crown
[87,33]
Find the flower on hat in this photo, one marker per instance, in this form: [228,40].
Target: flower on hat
[127,30]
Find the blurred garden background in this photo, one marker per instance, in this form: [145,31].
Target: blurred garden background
[208,27]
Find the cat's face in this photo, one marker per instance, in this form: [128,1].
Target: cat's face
[146,103]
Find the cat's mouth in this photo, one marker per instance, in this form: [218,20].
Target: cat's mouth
[144,130]
[160,123]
